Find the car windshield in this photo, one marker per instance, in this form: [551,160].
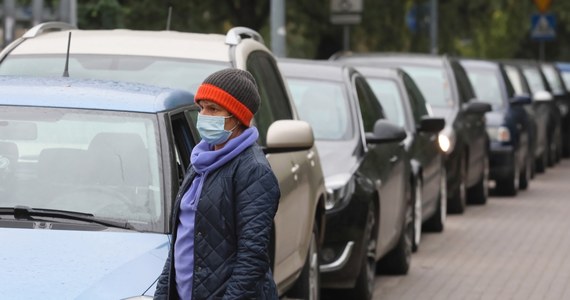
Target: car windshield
[94,162]
[183,74]
[324,105]
[433,84]
[390,98]
[553,80]
[486,85]
[534,79]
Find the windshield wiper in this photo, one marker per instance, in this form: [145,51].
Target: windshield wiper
[27,213]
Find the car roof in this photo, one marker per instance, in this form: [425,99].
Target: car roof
[563,66]
[389,58]
[90,94]
[171,44]
[307,68]
[480,64]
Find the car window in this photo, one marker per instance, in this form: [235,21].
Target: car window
[183,74]
[390,98]
[486,84]
[433,83]
[275,103]
[553,79]
[534,80]
[515,79]
[370,107]
[184,141]
[566,78]
[417,101]
[464,87]
[102,163]
[324,105]
[505,79]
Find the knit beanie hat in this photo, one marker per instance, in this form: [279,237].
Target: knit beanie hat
[233,89]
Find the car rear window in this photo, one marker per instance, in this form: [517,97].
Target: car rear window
[433,84]
[324,105]
[182,74]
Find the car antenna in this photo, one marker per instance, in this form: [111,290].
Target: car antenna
[168,18]
[66,69]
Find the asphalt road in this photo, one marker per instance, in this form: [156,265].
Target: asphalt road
[510,248]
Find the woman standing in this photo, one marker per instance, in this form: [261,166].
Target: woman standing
[224,211]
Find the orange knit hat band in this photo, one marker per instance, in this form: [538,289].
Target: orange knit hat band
[217,95]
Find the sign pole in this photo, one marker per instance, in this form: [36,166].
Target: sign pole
[346,38]
[541,51]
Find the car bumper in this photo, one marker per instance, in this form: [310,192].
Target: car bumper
[502,161]
[343,246]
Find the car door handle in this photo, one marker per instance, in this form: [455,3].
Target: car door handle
[394,159]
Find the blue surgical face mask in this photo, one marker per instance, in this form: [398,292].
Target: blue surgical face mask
[211,129]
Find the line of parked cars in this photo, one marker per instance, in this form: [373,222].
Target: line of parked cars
[370,150]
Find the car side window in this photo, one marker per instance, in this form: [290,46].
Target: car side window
[508,84]
[275,104]
[466,92]
[370,107]
[417,100]
[184,142]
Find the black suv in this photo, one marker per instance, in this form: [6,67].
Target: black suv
[445,85]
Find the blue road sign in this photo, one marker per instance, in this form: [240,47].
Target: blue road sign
[543,27]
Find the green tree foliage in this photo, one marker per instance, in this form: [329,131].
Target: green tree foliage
[475,28]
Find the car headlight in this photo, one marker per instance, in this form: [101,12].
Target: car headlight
[339,190]
[500,134]
[446,140]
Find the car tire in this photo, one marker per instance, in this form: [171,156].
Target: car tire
[551,153]
[417,221]
[479,193]
[509,186]
[398,260]
[541,162]
[307,285]
[364,286]
[456,204]
[524,179]
[436,223]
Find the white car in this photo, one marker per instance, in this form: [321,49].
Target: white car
[182,60]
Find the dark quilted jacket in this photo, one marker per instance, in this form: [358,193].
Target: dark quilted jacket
[233,226]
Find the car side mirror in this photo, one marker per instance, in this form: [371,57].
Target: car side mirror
[289,135]
[476,107]
[385,132]
[542,96]
[520,100]
[430,124]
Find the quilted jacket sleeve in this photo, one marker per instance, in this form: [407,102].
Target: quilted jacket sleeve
[257,198]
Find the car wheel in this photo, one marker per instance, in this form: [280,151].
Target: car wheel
[456,204]
[418,207]
[364,287]
[436,223]
[542,161]
[509,186]
[398,260]
[308,283]
[524,179]
[479,193]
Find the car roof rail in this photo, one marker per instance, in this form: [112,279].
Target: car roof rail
[236,34]
[47,26]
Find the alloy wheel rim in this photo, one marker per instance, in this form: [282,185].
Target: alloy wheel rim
[371,251]
[314,270]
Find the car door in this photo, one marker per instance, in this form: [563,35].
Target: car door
[475,134]
[294,216]
[428,150]
[388,160]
